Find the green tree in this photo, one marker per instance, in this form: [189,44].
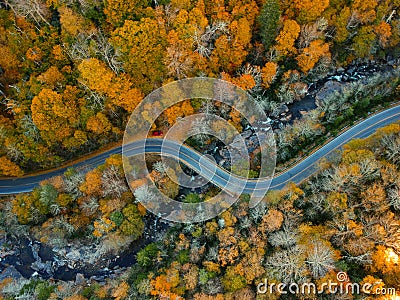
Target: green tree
[147,254]
[192,198]
[232,281]
[133,224]
[117,217]
[364,41]
[48,195]
[269,21]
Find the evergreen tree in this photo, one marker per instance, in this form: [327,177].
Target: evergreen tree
[269,21]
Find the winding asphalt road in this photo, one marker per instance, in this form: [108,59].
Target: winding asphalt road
[208,168]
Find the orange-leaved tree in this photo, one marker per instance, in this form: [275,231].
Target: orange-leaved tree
[268,73]
[309,10]
[117,11]
[312,54]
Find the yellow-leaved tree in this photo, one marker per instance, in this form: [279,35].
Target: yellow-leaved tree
[117,11]
[54,114]
[9,168]
[119,89]
[143,45]
[286,38]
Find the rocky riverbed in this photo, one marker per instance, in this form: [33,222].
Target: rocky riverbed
[335,82]
[75,262]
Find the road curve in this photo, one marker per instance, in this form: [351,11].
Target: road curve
[296,173]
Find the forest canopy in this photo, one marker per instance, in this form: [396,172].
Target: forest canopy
[71,72]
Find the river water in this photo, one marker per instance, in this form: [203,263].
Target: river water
[38,259]
[28,254]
